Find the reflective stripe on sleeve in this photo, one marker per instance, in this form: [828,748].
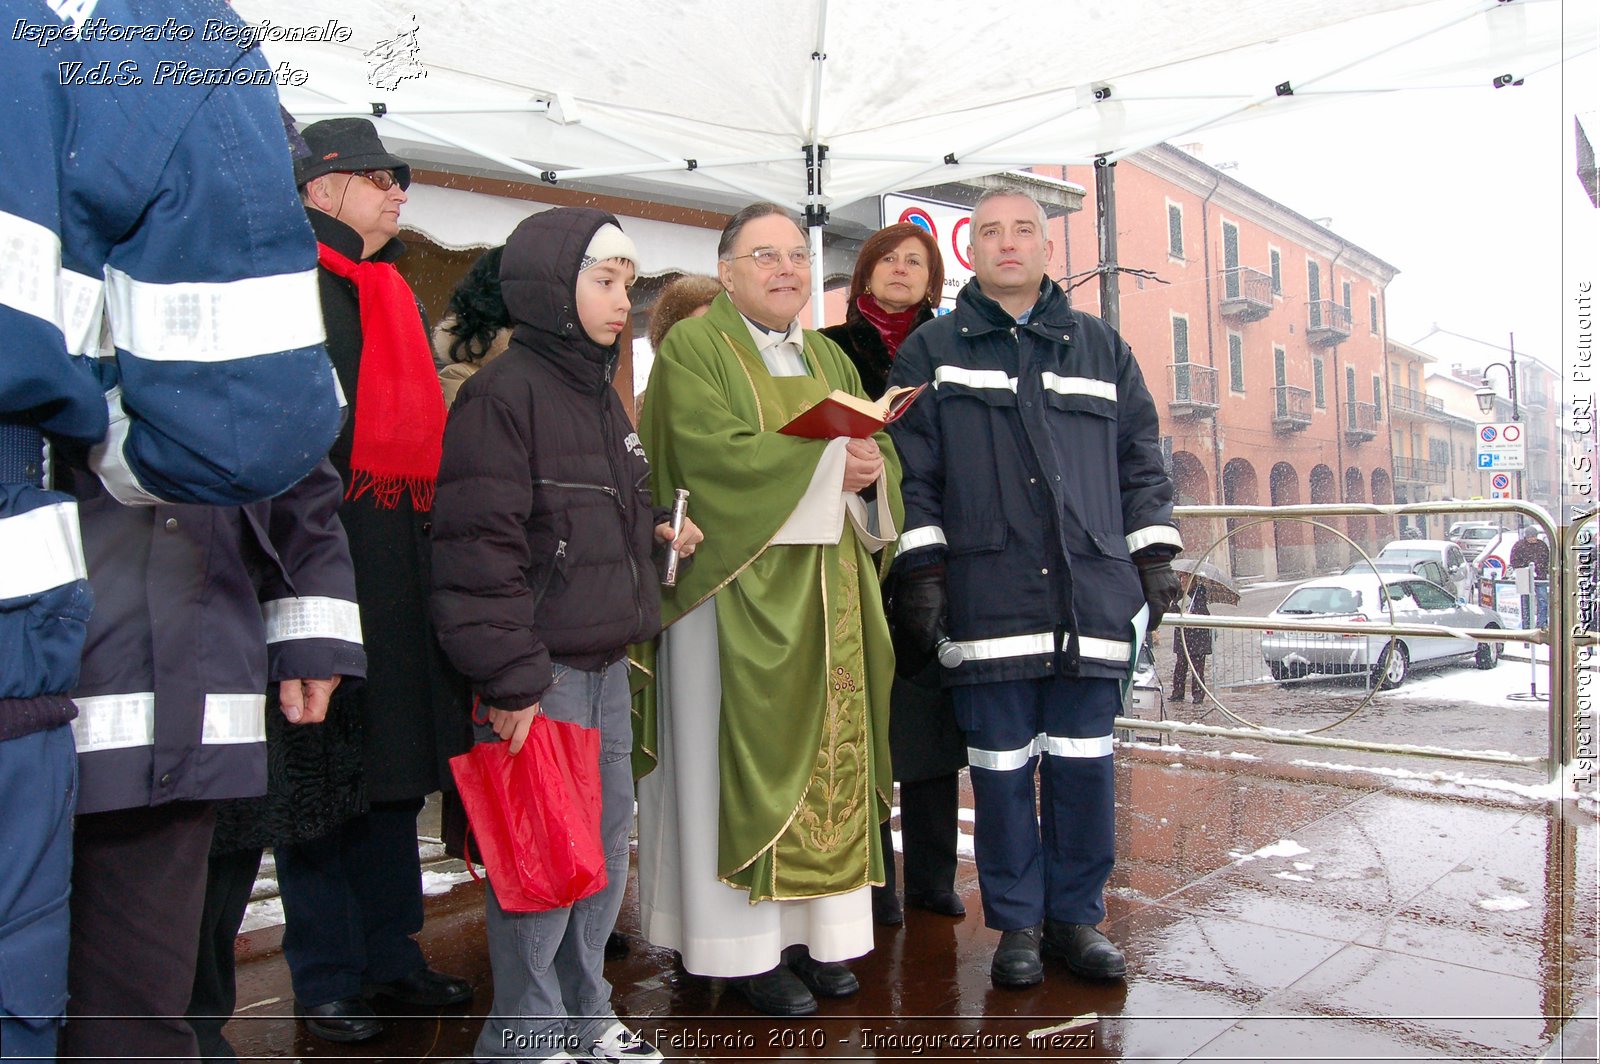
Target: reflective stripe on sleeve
[312,617]
[1150,535]
[40,549]
[117,722]
[214,322]
[108,462]
[925,536]
[33,282]
[1079,386]
[974,378]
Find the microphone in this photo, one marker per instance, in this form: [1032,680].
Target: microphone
[948,652]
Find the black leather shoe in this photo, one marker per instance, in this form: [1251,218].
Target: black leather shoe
[1084,950]
[346,1020]
[617,946]
[1016,960]
[886,911]
[777,993]
[943,902]
[823,978]
[422,989]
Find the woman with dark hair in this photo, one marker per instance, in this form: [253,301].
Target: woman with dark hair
[477,328]
[897,282]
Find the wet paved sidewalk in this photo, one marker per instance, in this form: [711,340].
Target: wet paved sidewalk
[1270,912]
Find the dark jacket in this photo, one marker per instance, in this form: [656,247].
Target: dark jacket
[861,341]
[1033,468]
[924,742]
[543,527]
[197,609]
[1198,640]
[413,708]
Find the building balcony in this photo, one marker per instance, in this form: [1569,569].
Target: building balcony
[1291,410]
[1194,390]
[1327,323]
[1246,294]
[1418,471]
[1360,422]
[1408,401]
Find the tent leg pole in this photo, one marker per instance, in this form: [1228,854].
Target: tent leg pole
[818,311]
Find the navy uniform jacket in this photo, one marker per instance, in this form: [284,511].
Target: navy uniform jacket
[1033,470]
[160,326]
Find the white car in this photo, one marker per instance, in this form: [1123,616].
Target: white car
[1362,599]
[1458,574]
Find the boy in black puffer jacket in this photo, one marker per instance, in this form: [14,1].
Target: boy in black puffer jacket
[543,573]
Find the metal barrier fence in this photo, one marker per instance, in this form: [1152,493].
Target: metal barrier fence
[1560,633]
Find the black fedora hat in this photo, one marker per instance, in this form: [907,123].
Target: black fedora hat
[346,146]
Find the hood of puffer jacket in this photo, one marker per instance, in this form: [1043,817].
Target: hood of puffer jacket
[539,282]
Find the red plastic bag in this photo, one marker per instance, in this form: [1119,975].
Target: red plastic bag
[535,817]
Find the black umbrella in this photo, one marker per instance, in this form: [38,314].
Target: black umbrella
[1218,587]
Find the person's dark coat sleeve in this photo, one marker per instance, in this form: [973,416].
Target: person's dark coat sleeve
[1142,477]
[483,606]
[921,449]
[309,602]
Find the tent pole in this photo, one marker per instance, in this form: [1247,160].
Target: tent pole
[818,312]
[1105,222]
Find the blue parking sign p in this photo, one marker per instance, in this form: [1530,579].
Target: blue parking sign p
[1485,461]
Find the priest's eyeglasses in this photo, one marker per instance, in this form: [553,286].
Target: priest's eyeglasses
[769,258]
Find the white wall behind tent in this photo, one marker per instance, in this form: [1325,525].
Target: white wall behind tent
[457,220]
[716,103]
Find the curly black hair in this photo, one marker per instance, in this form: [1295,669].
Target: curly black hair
[477,309]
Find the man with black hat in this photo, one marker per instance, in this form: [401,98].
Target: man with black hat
[353,897]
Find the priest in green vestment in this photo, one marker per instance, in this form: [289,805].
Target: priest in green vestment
[769,731]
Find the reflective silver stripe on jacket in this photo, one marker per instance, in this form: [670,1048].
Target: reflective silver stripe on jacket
[1115,651]
[311,617]
[1150,535]
[974,378]
[195,321]
[33,282]
[1079,386]
[925,536]
[117,722]
[40,549]
[1054,745]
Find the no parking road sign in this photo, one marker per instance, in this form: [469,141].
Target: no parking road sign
[1500,486]
[1501,446]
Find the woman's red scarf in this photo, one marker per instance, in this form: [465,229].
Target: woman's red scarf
[399,429]
[893,327]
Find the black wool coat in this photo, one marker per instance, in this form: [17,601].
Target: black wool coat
[414,709]
[924,742]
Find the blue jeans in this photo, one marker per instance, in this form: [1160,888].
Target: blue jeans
[38,790]
[1053,863]
[550,989]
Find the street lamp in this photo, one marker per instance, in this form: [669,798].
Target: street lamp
[1486,395]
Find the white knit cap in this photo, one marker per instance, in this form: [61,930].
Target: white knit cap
[609,242]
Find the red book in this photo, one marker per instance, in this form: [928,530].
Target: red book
[842,414]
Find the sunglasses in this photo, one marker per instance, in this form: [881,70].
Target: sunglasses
[384,179]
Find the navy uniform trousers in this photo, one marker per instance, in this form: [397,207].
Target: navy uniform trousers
[1054,862]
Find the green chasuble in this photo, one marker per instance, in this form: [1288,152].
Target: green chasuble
[806,663]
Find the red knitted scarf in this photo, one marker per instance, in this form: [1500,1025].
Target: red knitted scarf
[893,327]
[399,409]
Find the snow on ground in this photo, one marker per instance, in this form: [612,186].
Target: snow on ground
[441,882]
[1476,687]
[1281,848]
[1504,905]
[1449,782]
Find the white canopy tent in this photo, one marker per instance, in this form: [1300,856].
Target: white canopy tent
[820,103]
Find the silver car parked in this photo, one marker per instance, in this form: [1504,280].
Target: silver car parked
[1368,598]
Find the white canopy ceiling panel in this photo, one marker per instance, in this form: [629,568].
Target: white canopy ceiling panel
[458,220]
[624,94]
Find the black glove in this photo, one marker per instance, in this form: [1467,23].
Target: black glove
[1162,586]
[916,617]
